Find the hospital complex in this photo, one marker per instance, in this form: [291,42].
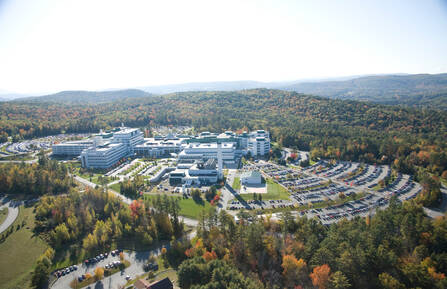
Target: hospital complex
[200,158]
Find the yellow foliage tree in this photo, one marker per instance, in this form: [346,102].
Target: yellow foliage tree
[99,273]
[294,270]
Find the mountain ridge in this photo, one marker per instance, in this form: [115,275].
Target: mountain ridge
[419,90]
[415,90]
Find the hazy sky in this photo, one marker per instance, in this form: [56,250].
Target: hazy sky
[47,46]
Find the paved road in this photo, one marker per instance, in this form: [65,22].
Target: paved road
[439,212]
[226,194]
[13,212]
[19,162]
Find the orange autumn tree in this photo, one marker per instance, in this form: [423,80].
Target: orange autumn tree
[208,256]
[136,208]
[320,276]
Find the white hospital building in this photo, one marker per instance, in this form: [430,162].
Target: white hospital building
[107,149]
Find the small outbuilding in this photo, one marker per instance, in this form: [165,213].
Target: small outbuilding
[251,178]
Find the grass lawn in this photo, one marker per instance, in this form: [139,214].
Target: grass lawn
[3,215]
[92,177]
[188,207]
[3,149]
[236,183]
[19,252]
[274,192]
[115,187]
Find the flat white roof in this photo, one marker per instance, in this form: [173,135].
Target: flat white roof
[210,145]
[126,130]
[151,142]
[107,147]
[75,142]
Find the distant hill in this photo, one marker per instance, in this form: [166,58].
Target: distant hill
[419,90]
[208,86]
[229,85]
[92,97]
[7,96]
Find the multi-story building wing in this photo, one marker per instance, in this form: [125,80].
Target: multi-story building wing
[259,143]
[155,148]
[204,151]
[104,156]
[71,148]
[130,137]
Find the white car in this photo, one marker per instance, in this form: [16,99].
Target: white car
[127,277]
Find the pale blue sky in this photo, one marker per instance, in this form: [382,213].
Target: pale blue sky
[47,46]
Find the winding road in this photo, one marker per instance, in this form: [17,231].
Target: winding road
[438,212]
[13,212]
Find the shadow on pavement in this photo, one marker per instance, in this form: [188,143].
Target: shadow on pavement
[237,196]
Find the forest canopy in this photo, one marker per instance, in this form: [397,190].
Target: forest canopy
[341,129]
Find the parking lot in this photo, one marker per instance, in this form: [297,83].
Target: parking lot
[35,145]
[329,183]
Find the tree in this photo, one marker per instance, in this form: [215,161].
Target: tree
[338,281]
[60,235]
[320,276]
[208,256]
[196,196]
[99,273]
[39,278]
[294,271]
[389,282]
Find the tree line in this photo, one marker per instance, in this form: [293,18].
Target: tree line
[44,177]
[406,138]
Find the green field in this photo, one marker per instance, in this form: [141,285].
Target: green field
[188,207]
[236,183]
[90,176]
[115,187]
[274,192]
[19,252]
[3,215]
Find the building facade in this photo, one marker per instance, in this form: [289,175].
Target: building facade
[71,148]
[130,137]
[103,157]
[259,143]
[199,173]
[153,148]
[204,151]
